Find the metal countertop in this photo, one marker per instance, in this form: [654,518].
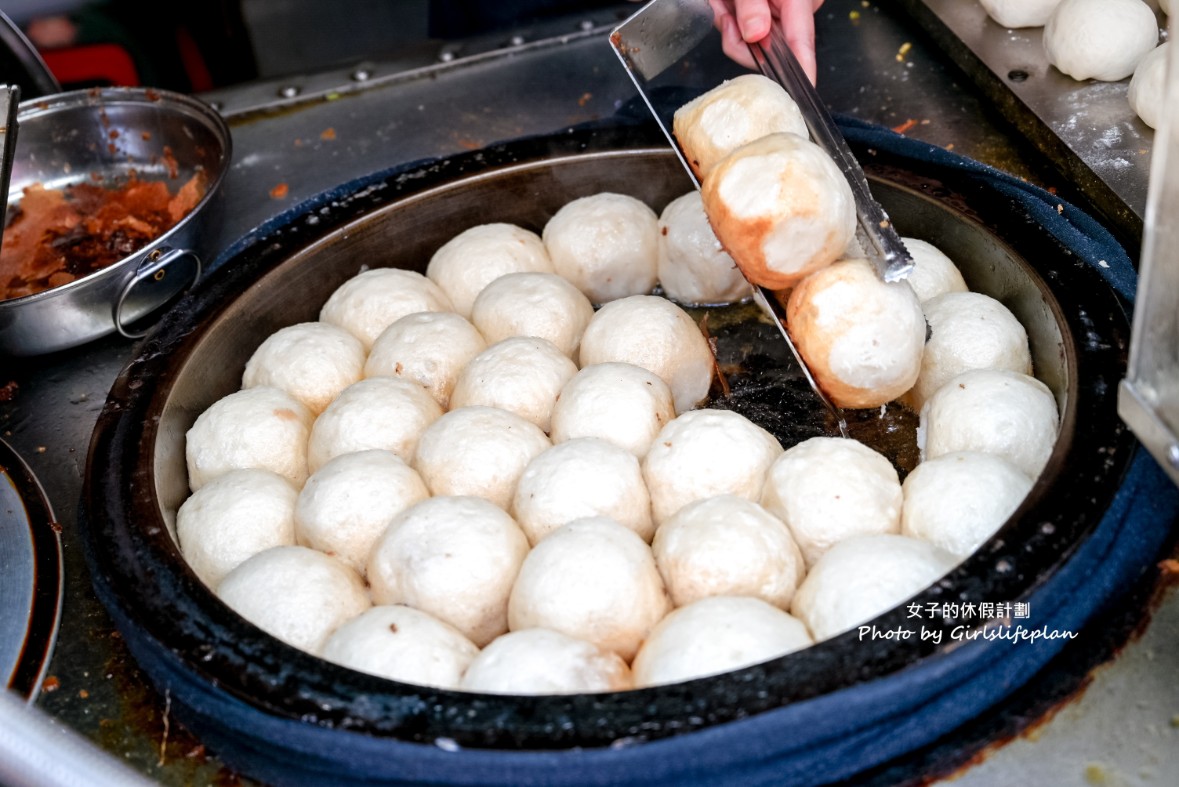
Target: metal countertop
[1087,128]
[338,126]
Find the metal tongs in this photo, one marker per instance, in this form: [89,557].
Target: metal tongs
[672,53]
[878,239]
[672,44]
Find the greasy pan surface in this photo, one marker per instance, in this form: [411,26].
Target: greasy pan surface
[136,476]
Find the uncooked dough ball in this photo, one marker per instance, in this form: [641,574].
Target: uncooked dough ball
[621,403]
[828,489]
[312,361]
[781,208]
[727,546]
[1148,86]
[404,644]
[715,635]
[371,301]
[693,268]
[705,453]
[593,579]
[259,427]
[732,114]
[862,577]
[1020,13]
[606,244]
[993,411]
[933,272]
[959,500]
[294,593]
[968,330]
[1100,39]
[862,339]
[533,304]
[347,504]
[480,451]
[474,258]
[657,335]
[234,517]
[380,412]
[522,375]
[541,661]
[430,348]
[581,478]
[454,557]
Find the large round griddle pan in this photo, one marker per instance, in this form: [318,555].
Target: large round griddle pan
[185,636]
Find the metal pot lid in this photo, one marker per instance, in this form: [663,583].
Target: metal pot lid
[30,576]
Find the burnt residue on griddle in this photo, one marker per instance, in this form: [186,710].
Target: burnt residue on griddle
[767,386]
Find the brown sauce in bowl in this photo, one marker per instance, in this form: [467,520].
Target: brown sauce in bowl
[55,236]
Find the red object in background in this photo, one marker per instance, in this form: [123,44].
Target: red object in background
[194,62]
[92,64]
[111,65]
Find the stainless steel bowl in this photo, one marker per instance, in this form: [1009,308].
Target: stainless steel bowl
[104,135]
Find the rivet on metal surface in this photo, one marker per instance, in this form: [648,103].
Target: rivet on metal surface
[361,75]
[160,274]
[288,91]
[516,40]
[155,255]
[1173,456]
[586,25]
[1018,75]
[446,56]
[217,106]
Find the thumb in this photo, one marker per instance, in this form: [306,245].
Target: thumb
[753,19]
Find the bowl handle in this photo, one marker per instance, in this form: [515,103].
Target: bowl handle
[154,267]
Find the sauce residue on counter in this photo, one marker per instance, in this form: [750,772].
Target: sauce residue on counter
[55,236]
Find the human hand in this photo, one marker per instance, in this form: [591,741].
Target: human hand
[744,22]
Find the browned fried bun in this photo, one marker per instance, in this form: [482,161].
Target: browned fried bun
[861,338]
[781,208]
[733,114]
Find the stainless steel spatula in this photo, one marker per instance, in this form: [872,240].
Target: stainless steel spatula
[672,52]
